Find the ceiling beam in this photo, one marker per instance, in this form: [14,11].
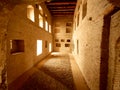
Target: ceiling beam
[61,3]
[62,10]
[62,7]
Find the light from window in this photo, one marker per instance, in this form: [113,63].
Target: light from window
[39,47]
[50,47]
[30,12]
[40,21]
[46,25]
[41,10]
[49,28]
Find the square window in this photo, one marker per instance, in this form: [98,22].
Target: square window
[57,30]
[68,30]
[68,24]
[56,40]
[57,24]
[67,45]
[16,46]
[68,40]
[62,40]
[58,45]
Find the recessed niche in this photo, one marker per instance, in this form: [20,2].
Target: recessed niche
[58,45]
[68,30]
[16,46]
[56,40]
[84,10]
[45,44]
[68,40]
[67,45]
[68,24]
[78,19]
[57,30]
[57,24]
[62,40]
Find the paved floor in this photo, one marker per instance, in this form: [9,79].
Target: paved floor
[78,79]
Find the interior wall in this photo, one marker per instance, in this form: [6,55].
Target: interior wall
[21,28]
[87,37]
[4,18]
[62,33]
[114,62]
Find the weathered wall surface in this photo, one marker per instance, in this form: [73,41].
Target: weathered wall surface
[114,61]
[87,39]
[21,28]
[61,35]
[4,18]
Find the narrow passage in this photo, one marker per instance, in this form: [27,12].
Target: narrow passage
[52,73]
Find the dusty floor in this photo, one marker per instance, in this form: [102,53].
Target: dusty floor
[52,73]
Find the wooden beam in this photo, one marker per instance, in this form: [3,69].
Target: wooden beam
[61,3]
[62,10]
[62,7]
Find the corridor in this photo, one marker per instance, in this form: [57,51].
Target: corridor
[58,71]
[59,44]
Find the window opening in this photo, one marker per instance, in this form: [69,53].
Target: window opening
[39,47]
[58,45]
[68,40]
[16,46]
[68,30]
[56,40]
[68,24]
[67,45]
[50,47]
[40,21]
[45,44]
[41,10]
[62,40]
[30,12]
[84,11]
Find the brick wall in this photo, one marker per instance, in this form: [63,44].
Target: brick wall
[87,37]
[114,63]
[62,29]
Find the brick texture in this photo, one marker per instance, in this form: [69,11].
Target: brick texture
[92,50]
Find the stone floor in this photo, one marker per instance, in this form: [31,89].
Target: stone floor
[56,72]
